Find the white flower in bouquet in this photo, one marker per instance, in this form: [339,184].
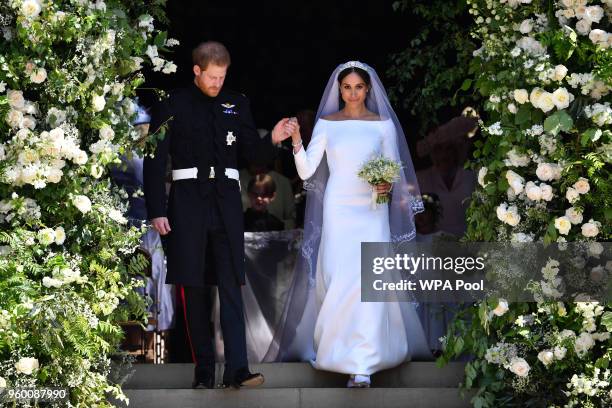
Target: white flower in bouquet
[377,171]
[572,195]
[521,237]
[561,98]
[46,236]
[169,68]
[521,96]
[547,192]
[548,171]
[80,157]
[560,352]
[117,216]
[593,14]
[501,308]
[60,235]
[546,357]
[69,275]
[559,73]
[31,8]
[515,159]
[590,229]
[96,171]
[2,383]
[583,343]
[595,249]
[52,282]
[573,215]
[599,37]
[515,181]
[2,152]
[151,52]
[519,366]
[531,46]
[582,185]
[158,63]
[533,192]
[601,336]
[146,21]
[98,103]
[583,27]
[83,203]
[597,273]
[563,224]
[526,26]
[545,102]
[39,76]
[15,99]
[508,215]
[481,176]
[107,133]
[14,119]
[27,365]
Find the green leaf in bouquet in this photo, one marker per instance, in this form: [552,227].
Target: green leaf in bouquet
[606,320]
[523,115]
[591,135]
[558,122]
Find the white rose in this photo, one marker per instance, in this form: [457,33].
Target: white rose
[526,26]
[546,102]
[547,192]
[98,102]
[38,76]
[597,274]
[46,236]
[559,73]
[512,216]
[590,229]
[521,96]
[55,175]
[563,224]
[595,249]
[546,357]
[547,171]
[96,171]
[519,366]
[561,98]
[31,8]
[15,99]
[593,14]
[584,343]
[582,186]
[60,235]
[502,308]
[572,195]
[560,352]
[26,365]
[573,215]
[534,96]
[515,181]
[83,203]
[481,175]
[80,157]
[583,27]
[107,133]
[512,108]
[533,192]
[598,36]
[51,282]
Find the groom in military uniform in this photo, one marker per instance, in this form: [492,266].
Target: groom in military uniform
[206,128]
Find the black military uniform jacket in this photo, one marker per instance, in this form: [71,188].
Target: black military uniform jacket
[202,132]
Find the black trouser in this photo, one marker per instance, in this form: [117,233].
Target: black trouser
[197,305]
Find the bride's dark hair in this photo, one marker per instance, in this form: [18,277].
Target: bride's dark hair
[361,72]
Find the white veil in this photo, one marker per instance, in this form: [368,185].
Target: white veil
[293,338]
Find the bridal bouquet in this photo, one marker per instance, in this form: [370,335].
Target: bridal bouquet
[379,170]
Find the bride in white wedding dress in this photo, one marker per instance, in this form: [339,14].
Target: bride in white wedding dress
[351,336]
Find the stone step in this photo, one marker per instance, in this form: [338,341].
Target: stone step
[302,375]
[298,398]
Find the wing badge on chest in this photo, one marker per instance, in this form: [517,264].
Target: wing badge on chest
[228,109]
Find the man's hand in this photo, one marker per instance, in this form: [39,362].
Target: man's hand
[161,225]
[283,130]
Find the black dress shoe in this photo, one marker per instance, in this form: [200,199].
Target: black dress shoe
[203,379]
[244,378]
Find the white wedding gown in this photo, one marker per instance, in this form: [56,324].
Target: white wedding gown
[351,336]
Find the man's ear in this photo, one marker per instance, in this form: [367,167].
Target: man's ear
[197,70]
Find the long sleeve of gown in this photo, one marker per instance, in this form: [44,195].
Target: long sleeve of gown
[307,160]
[389,142]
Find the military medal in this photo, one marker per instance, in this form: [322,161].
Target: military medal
[230,138]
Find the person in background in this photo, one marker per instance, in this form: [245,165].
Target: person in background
[447,146]
[261,192]
[283,206]
[427,221]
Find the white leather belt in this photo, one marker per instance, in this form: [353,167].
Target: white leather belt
[192,173]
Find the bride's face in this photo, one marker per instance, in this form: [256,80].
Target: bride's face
[353,90]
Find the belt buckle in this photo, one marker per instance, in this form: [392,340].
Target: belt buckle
[211,175]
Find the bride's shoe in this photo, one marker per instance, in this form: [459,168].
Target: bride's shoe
[358,381]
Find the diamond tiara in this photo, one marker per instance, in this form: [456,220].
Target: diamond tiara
[354,64]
